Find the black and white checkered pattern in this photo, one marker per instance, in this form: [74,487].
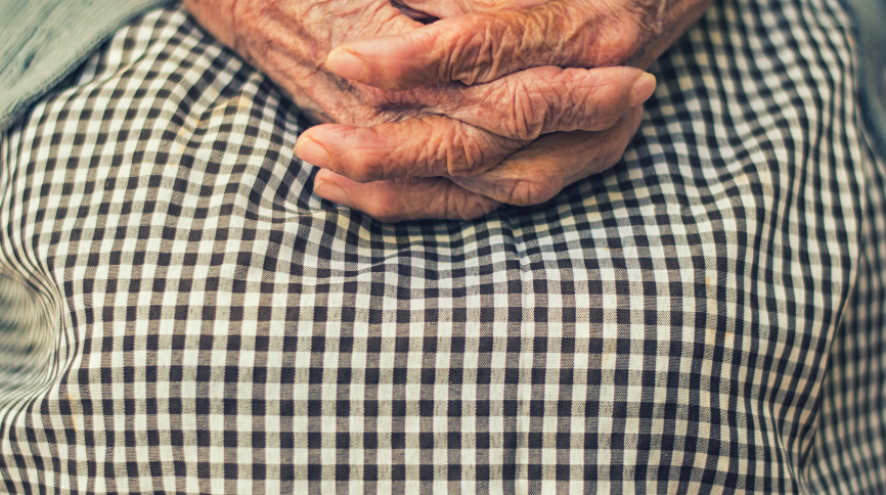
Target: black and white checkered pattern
[708,316]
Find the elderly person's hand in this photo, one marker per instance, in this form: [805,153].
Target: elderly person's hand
[443,130]
[371,174]
[483,40]
[480,41]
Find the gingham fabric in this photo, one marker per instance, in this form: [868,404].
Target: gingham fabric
[707,316]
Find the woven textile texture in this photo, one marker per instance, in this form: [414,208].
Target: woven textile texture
[707,316]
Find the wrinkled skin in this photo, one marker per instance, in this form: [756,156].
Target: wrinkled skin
[437,151]
[479,41]
[529,176]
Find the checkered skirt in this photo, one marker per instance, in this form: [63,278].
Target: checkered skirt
[184,316]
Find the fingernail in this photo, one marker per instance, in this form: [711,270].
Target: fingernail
[332,192]
[313,152]
[642,89]
[345,64]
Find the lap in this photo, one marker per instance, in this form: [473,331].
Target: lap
[664,326]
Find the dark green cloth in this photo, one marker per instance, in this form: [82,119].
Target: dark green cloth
[870,22]
[41,41]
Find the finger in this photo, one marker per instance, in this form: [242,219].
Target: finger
[404,199]
[434,145]
[517,107]
[431,146]
[481,47]
[540,171]
[549,99]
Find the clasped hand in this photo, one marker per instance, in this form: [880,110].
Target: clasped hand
[498,101]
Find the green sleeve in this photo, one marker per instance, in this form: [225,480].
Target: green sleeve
[870,17]
[41,41]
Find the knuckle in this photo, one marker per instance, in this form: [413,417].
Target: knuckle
[462,159]
[459,205]
[479,54]
[365,168]
[564,38]
[528,112]
[542,23]
[366,164]
[470,61]
[532,190]
[483,48]
[466,153]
